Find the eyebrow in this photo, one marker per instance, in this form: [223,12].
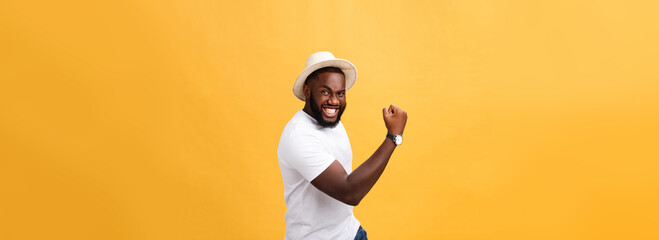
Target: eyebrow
[325,86]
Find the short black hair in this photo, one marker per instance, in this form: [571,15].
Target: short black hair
[314,74]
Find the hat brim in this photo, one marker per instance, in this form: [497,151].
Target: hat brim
[349,72]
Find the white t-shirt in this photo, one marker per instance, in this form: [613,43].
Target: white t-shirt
[305,151]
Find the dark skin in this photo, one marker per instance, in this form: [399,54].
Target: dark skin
[329,92]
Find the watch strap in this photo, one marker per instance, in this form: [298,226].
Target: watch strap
[393,138]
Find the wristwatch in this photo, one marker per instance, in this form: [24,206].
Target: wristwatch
[397,138]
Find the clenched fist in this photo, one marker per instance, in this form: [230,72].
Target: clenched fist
[395,119]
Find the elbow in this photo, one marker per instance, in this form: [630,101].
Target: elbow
[347,199]
[353,203]
[351,196]
[351,200]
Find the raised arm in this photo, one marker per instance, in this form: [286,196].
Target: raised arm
[351,189]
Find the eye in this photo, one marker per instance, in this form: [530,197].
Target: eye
[324,92]
[341,94]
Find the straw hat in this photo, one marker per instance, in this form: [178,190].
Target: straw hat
[320,60]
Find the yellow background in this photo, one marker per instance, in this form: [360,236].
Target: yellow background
[160,119]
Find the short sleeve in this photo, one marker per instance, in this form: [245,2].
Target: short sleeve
[306,154]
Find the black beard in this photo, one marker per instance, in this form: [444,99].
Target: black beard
[318,115]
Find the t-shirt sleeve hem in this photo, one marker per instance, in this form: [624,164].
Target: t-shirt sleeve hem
[326,163]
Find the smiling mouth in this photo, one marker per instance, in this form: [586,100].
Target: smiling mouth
[330,112]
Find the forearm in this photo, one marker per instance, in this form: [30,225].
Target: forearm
[362,179]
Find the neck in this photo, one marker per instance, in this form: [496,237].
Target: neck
[307,109]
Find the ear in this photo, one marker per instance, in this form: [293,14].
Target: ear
[307,91]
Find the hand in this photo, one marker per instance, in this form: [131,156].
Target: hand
[395,119]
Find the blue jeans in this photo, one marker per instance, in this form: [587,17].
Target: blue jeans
[361,234]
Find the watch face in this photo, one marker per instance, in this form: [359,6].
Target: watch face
[398,139]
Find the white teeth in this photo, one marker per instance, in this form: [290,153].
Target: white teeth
[330,110]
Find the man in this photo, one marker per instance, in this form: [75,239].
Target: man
[315,157]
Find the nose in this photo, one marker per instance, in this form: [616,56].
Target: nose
[333,100]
